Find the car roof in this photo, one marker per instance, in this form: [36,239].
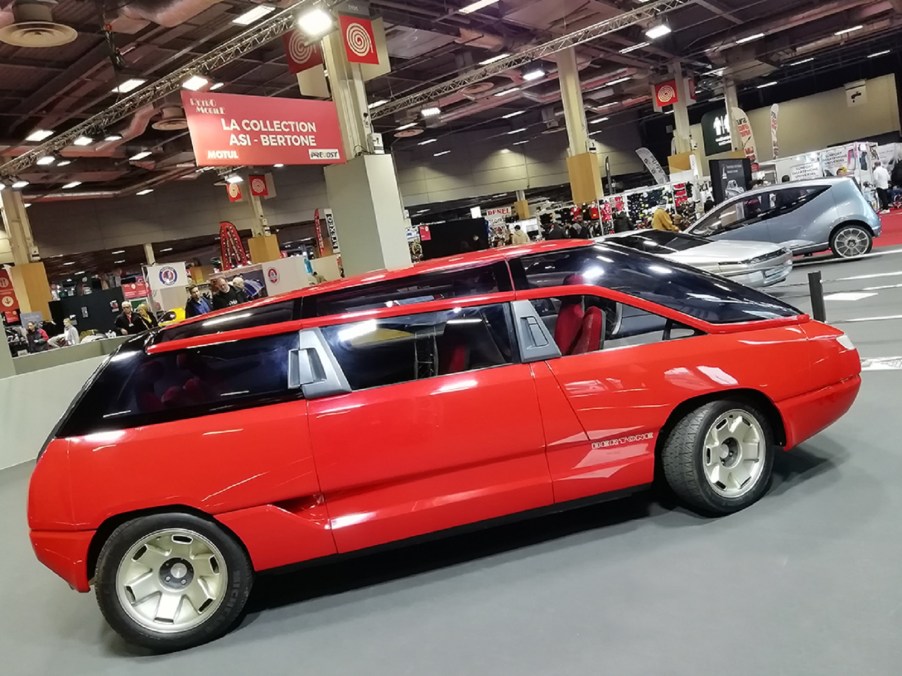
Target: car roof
[462,261]
[827,181]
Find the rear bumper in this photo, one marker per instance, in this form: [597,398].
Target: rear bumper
[65,553]
[808,414]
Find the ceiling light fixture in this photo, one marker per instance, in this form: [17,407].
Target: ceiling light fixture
[120,251]
[146,191]
[883,53]
[139,156]
[406,126]
[443,152]
[507,91]
[618,81]
[252,15]
[608,105]
[234,178]
[83,141]
[427,141]
[195,83]
[767,84]
[476,6]
[63,163]
[658,31]
[519,143]
[73,184]
[846,31]
[216,85]
[633,48]
[431,111]
[315,23]
[129,85]
[167,250]
[69,263]
[46,160]
[536,74]
[493,59]
[749,38]
[599,120]
[112,137]
[513,114]
[516,131]
[376,104]
[39,135]
[118,262]
[278,165]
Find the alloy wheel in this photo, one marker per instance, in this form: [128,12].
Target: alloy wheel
[734,453]
[852,241]
[172,580]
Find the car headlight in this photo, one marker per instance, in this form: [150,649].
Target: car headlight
[845,341]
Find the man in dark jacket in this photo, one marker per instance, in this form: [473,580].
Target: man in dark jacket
[128,323]
[37,339]
[197,305]
[622,222]
[225,295]
[555,231]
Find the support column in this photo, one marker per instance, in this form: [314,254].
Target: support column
[582,165]
[263,246]
[682,131]
[521,206]
[149,255]
[29,278]
[6,361]
[731,100]
[363,193]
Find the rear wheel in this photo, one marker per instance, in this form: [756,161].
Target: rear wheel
[851,240]
[719,457]
[172,581]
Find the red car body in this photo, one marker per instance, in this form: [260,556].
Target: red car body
[311,477]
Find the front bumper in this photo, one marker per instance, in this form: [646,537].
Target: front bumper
[65,553]
[761,276]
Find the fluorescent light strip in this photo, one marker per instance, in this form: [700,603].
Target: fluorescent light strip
[427,142]
[766,85]
[252,15]
[129,85]
[431,111]
[883,53]
[846,31]
[406,126]
[516,131]
[750,38]
[146,191]
[599,120]
[39,135]
[83,141]
[620,80]
[73,184]
[119,251]
[376,104]
[514,114]
[195,82]
[536,74]
[803,61]
[476,6]
[18,185]
[443,152]
[641,45]
[658,31]
[46,160]
[507,91]
[216,85]
[493,59]
[139,156]
[519,143]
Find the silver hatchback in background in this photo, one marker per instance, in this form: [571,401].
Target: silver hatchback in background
[805,217]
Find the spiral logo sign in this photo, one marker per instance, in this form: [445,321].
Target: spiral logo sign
[359,40]
[666,94]
[300,56]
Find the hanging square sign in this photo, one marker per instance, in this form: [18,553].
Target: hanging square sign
[299,55]
[358,39]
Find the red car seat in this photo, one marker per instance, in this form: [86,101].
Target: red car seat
[569,323]
[590,333]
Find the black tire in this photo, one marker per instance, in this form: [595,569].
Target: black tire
[683,456]
[862,230]
[237,565]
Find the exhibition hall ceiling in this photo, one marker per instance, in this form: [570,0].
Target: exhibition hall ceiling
[84,49]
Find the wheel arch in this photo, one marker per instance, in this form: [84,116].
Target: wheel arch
[750,396]
[103,532]
[850,221]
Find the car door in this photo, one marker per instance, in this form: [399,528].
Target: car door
[421,422]
[739,219]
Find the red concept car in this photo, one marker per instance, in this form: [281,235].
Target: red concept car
[399,404]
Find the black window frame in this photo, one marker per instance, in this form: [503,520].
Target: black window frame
[211,326]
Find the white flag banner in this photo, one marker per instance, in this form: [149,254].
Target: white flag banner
[746,136]
[654,167]
[774,127]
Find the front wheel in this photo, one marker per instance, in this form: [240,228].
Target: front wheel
[172,581]
[719,458]
[851,240]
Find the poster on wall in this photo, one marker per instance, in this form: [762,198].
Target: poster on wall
[746,135]
[135,288]
[730,178]
[805,171]
[8,300]
[231,129]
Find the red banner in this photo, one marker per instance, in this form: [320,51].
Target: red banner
[230,129]
[135,289]
[359,40]
[259,186]
[8,300]
[317,225]
[300,56]
[666,93]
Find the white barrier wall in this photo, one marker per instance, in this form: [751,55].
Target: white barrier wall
[32,403]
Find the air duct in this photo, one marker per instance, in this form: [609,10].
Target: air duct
[172,119]
[33,26]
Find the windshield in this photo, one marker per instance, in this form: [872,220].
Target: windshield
[660,242]
[672,285]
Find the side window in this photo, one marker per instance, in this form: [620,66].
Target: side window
[583,324]
[786,200]
[378,352]
[242,318]
[135,389]
[727,217]
[410,290]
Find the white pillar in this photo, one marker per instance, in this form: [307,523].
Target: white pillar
[349,94]
[17,226]
[572,98]
[259,226]
[149,255]
[682,131]
[731,100]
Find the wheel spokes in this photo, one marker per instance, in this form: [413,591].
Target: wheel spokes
[143,588]
[168,608]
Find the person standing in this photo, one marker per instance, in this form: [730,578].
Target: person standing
[519,236]
[882,181]
[146,317]
[197,305]
[662,220]
[37,339]
[127,323]
[70,332]
[555,231]
[622,222]
[225,295]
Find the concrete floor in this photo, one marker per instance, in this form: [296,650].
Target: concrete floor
[804,583]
